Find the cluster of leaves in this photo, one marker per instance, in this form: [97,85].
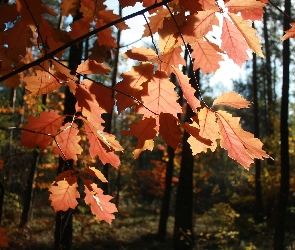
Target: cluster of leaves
[179,23]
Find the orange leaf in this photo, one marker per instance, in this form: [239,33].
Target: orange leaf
[63,196]
[289,33]
[199,25]
[241,145]
[207,126]
[3,238]
[41,83]
[132,84]
[209,5]
[143,130]
[231,99]
[233,42]
[68,141]
[96,173]
[80,27]
[161,96]
[206,56]
[109,16]
[47,124]
[169,129]
[92,67]
[105,36]
[248,32]
[99,144]
[240,5]
[187,89]
[141,54]
[99,204]
[190,5]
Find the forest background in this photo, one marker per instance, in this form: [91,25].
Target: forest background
[176,193]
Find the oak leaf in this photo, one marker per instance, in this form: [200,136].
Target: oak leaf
[96,173]
[105,36]
[42,83]
[63,196]
[187,89]
[161,96]
[92,67]
[231,99]
[143,130]
[141,54]
[44,127]
[206,56]
[248,32]
[233,42]
[241,145]
[207,129]
[169,129]
[289,33]
[99,204]
[241,5]
[68,142]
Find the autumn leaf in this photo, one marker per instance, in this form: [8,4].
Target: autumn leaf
[199,25]
[132,84]
[92,67]
[141,54]
[3,238]
[169,129]
[105,36]
[1,164]
[231,99]
[63,196]
[99,204]
[96,173]
[206,56]
[68,142]
[206,129]
[289,33]
[161,97]
[241,145]
[248,32]
[100,146]
[233,42]
[187,89]
[44,128]
[41,83]
[242,5]
[143,130]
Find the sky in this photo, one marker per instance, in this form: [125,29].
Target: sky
[221,81]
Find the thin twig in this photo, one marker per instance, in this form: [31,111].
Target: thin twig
[283,12]
[190,57]
[110,87]
[79,39]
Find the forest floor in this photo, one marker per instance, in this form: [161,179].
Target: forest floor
[136,228]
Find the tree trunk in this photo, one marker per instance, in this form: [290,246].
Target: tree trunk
[258,213]
[280,222]
[162,230]
[64,220]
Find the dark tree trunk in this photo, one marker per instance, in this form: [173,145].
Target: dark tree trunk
[280,222]
[258,213]
[28,196]
[162,230]
[64,220]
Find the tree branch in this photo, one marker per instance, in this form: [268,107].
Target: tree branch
[79,39]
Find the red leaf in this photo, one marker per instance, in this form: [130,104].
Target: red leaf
[92,67]
[169,130]
[97,139]
[161,97]
[233,42]
[47,124]
[68,142]
[289,33]
[143,130]
[231,99]
[99,204]
[241,145]
[63,196]
[187,89]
